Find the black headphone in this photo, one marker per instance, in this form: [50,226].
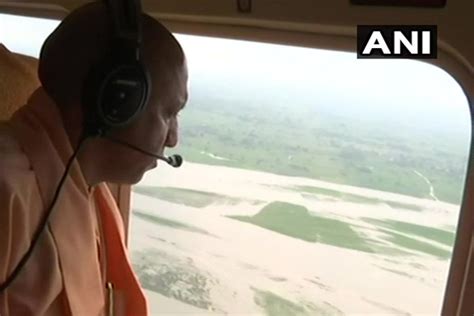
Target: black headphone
[116,90]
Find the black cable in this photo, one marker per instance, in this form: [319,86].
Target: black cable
[43,223]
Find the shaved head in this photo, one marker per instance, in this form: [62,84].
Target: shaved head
[84,39]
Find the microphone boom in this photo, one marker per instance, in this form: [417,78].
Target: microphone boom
[173,160]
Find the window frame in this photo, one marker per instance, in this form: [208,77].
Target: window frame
[460,285]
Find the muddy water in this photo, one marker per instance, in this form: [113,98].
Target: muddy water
[227,261]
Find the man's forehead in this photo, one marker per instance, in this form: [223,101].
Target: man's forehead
[176,92]
[178,98]
[183,94]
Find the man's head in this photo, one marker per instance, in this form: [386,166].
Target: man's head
[81,41]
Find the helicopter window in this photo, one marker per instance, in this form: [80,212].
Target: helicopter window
[313,182]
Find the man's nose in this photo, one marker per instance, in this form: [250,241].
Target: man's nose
[172,137]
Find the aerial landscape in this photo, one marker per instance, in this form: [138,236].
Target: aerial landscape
[296,200]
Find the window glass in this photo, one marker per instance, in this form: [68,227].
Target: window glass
[313,183]
[25,35]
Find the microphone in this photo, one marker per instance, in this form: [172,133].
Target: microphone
[173,160]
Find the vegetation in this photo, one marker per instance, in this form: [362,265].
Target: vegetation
[336,194]
[275,305]
[295,221]
[439,235]
[300,136]
[417,245]
[348,197]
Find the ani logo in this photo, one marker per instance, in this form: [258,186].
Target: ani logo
[397,41]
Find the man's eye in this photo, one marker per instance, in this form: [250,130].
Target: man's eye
[176,114]
[169,114]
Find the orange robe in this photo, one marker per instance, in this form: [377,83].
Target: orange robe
[65,274]
[18,79]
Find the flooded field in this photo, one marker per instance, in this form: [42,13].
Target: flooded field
[239,242]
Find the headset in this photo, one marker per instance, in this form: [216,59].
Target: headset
[115,92]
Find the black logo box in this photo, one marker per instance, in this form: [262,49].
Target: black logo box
[365,31]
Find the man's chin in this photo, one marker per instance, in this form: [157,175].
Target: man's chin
[134,178]
[131,180]
[153,165]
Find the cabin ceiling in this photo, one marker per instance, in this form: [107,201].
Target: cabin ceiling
[327,24]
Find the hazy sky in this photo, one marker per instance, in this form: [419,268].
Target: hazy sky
[382,86]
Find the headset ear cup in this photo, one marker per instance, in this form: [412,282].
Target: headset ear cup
[92,122]
[114,95]
[122,95]
[117,89]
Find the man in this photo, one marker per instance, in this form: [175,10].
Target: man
[80,264]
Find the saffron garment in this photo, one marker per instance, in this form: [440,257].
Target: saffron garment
[81,254]
[18,79]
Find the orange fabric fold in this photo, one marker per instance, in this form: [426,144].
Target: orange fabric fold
[18,79]
[63,277]
[119,270]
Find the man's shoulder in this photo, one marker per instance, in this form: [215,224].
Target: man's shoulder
[15,167]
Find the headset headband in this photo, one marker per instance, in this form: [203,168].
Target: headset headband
[117,88]
[127,29]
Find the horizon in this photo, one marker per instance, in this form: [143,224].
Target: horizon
[383,89]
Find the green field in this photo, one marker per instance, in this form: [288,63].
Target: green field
[416,245]
[275,305]
[295,221]
[308,139]
[439,235]
[399,230]
[348,197]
